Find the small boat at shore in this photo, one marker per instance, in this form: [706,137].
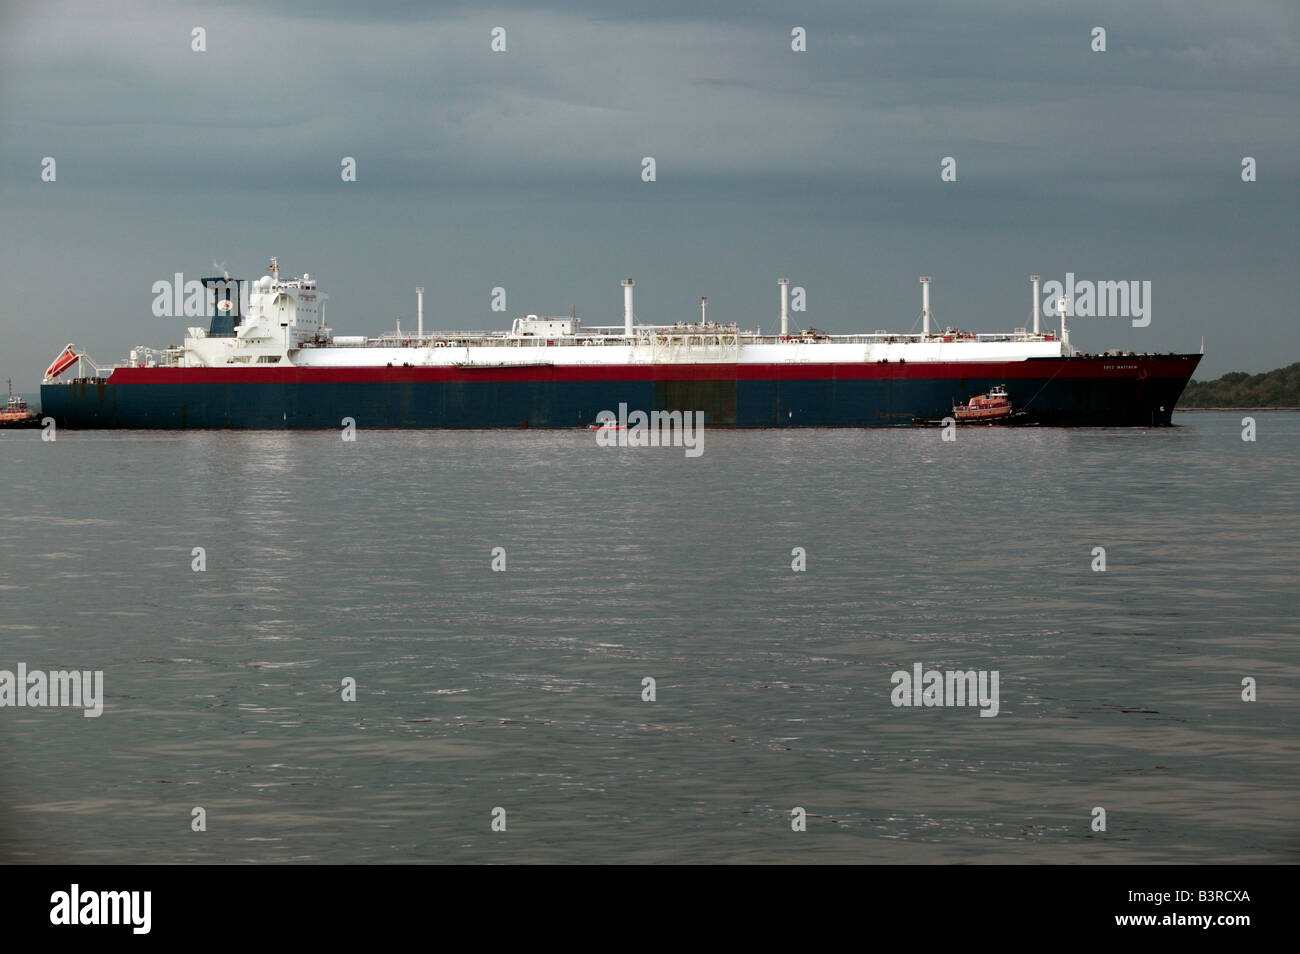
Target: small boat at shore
[17,413]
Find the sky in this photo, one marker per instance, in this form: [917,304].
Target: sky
[522,169]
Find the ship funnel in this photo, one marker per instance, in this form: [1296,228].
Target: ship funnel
[227,305]
[419,311]
[1062,309]
[627,306]
[1034,279]
[925,306]
[785,305]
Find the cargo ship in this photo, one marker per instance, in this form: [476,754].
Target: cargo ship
[267,360]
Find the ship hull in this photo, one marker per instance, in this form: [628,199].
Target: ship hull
[1128,391]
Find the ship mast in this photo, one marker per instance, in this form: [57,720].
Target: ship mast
[627,307]
[925,307]
[1063,306]
[1034,281]
[785,306]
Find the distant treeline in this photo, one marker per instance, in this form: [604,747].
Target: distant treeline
[1280,388]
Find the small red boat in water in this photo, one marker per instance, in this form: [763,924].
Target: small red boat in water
[16,413]
[984,407]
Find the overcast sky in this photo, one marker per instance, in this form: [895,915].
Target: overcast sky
[522,169]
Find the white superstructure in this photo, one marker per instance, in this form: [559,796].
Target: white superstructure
[283,324]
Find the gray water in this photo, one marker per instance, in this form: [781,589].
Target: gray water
[522,689]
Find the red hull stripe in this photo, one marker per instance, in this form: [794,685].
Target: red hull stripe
[1102,367]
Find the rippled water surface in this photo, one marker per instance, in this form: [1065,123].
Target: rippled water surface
[523,689]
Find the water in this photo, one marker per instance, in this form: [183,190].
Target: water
[522,689]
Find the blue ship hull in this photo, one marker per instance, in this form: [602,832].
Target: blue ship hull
[1084,391]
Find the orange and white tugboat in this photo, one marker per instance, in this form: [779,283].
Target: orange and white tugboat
[16,413]
[993,408]
[983,408]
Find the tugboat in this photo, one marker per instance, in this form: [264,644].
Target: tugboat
[984,407]
[994,408]
[16,412]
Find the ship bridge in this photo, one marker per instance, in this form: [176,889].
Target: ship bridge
[258,322]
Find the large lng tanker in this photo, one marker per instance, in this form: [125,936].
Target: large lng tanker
[267,360]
